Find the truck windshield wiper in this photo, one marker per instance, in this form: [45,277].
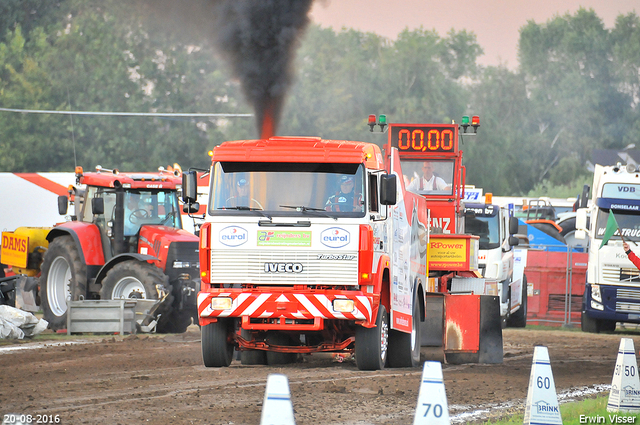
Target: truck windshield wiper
[241,208]
[303,208]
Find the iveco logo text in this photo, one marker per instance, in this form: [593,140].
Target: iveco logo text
[282,268]
[335,237]
[233,236]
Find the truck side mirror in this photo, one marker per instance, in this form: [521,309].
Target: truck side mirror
[63,202]
[513,226]
[513,241]
[191,208]
[584,199]
[97,206]
[189,187]
[388,188]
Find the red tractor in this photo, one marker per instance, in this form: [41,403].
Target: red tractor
[124,241]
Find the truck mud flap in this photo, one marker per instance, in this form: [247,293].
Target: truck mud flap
[474,329]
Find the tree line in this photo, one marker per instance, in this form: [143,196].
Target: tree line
[577,87]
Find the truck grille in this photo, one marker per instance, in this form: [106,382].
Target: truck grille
[617,275]
[630,304]
[237,267]
[611,274]
[628,294]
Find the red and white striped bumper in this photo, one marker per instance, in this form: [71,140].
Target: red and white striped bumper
[289,305]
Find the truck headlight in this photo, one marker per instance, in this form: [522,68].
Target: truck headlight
[221,303]
[595,293]
[343,306]
[597,306]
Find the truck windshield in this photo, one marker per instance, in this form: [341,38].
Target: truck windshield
[428,177]
[628,222]
[487,227]
[287,189]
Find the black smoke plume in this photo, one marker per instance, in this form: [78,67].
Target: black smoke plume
[258,38]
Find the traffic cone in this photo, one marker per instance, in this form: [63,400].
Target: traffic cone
[542,401]
[432,406]
[625,387]
[276,407]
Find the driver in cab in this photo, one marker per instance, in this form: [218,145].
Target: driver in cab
[134,213]
[243,198]
[345,199]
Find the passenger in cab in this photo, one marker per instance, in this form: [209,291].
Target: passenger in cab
[346,199]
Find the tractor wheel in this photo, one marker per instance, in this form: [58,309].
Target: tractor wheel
[251,357]
[404,348]
[139,280]
[217,347]
[274,357]
[372,343]
[519,318]
[64,276]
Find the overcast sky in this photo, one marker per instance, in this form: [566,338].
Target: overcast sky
[496,23]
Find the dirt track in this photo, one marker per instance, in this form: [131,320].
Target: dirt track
[161,380]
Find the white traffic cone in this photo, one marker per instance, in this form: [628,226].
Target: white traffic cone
[432,406]
[542,401]
[625,387]
[276,407]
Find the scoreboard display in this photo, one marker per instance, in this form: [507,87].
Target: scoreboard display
[434,138]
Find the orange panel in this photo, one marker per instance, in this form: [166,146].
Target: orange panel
[462,322]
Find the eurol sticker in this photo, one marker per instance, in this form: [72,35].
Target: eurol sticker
[335,237]
[233,236]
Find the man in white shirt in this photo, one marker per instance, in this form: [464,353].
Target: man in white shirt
[428,182]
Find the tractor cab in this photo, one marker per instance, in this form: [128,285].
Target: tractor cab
[121,204]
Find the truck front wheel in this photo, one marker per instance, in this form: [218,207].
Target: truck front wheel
[217,347]
[372,343]
[591,325]
[64,275]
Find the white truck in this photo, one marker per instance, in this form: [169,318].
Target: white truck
[612,290]
[500,263]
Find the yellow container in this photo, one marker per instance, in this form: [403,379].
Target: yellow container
[17,245]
